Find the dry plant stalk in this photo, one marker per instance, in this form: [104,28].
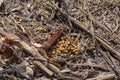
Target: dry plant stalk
[54,38]
[106,77]
[81,26]
[33,52]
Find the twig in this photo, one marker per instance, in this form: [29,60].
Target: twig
[92,65]
[66,9]
[81,26]
[102,26]
[108,61]
[40,65]
[53,39]
[106,77]
[109,48]
[32,51]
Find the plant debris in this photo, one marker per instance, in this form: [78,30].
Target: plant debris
[59,40]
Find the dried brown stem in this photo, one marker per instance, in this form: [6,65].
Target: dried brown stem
[106,77]
[50,69]
[80,25]
[53,39]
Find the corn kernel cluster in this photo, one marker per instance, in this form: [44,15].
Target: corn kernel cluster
[42,29]
[43,38]
[65,45]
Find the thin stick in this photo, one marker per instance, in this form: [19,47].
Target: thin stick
[106,77]
[32,51]
[80,25]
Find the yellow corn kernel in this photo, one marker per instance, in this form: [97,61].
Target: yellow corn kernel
[44,23]
[2,50]
[32,66]
[53,52]
[58,51]
[61,48]
[42,29]
[66,51]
